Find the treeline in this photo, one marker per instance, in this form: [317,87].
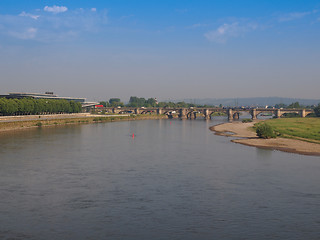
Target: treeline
[150,102]
[113,102]
[142,102]
[30,106]
[295,105]
[133,102]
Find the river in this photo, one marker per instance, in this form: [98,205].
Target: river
[173,180]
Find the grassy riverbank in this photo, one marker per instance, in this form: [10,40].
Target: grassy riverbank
[307,129]
[27,124]
[297,135]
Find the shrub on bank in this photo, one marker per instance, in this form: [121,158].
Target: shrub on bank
[264,130]
[247,120]
[39,124]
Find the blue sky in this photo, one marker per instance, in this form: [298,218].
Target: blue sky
[164,49]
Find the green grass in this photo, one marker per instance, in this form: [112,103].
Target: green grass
[39,124]
[218,114]
[306,128]
[247,120]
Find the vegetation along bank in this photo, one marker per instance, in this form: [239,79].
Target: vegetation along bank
[24,122]
[296,135]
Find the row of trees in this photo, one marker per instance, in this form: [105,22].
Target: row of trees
[133,102]
[113,102]
[142,102]
[296,105]
[150,102]
[29,106]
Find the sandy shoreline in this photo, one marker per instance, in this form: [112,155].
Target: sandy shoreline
[244,135]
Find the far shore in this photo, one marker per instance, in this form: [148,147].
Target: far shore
[16,123]
[245,135]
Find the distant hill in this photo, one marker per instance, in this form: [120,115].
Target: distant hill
[257,101]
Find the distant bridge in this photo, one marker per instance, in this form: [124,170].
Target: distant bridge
[206,113]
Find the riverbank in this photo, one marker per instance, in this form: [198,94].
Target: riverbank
[245,135]
[15,123]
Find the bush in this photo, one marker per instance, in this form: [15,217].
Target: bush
[264,130]
[96,119]
[247,120]
[39,124]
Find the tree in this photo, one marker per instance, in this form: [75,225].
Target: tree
[28,105]
[21,106]
[295,105]
[317,110]
[2,106]
[280,105]
[114,102]
[103,103]
[75,107]
[151,102]
[138,102]
[264,130]
[12,107]
[134,102]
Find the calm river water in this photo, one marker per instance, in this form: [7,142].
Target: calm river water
[174,180]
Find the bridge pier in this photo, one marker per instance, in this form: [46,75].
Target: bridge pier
[206,114]
[183,113]
[253,113]
[192,115]
[230,114]
[116,110]
[170,116]
[303,113]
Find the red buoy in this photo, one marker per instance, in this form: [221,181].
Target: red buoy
[132,135]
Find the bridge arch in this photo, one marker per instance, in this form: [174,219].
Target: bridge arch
[192,114]
[213,112]
[208,113]
[236,115]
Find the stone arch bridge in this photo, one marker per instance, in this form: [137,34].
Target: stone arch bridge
[206,113]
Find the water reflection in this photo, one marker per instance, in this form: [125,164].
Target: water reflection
[264,153]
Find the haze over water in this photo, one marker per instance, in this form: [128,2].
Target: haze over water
[172,181]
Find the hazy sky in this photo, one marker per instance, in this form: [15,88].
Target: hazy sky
[166,49]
